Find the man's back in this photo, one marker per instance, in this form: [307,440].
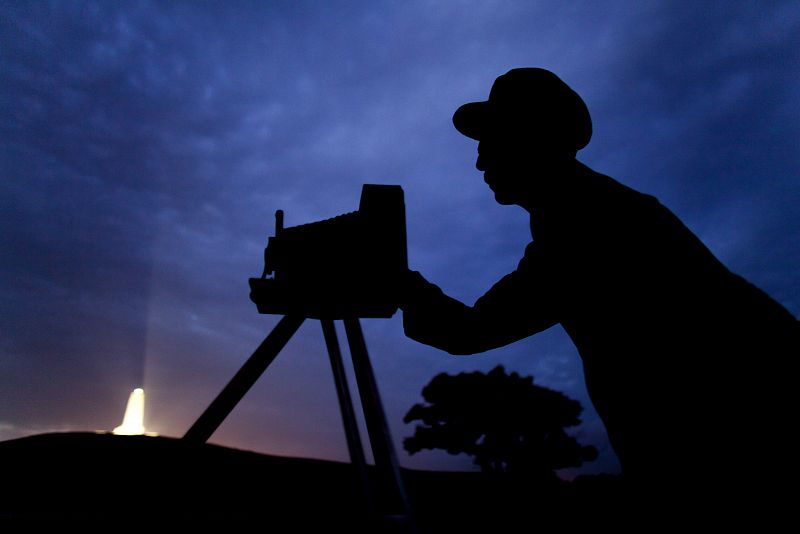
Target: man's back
[670,338]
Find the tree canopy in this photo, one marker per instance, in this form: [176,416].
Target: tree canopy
[505,421]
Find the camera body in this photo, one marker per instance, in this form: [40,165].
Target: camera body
[348,266]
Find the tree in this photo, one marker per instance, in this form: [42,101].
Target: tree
[504,421]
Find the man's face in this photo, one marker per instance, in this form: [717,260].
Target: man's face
[509,167]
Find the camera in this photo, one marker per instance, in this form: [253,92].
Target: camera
[348,266]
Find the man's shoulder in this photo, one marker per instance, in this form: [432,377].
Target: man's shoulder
[619,209]
[628,216]
[601,186]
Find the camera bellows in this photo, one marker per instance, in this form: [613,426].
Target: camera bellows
[347,266]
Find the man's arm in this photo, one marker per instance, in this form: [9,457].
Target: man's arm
[517,306]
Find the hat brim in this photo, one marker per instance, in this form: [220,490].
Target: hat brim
[471,119]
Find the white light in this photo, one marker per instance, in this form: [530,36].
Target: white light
[133,422]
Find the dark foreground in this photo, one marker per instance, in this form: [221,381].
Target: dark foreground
[103,479]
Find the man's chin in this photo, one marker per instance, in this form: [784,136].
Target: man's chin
[503,199]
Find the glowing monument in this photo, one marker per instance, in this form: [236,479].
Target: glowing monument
[133,422]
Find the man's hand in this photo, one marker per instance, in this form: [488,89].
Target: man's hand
[413,288]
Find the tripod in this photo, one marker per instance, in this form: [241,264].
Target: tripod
[395,502]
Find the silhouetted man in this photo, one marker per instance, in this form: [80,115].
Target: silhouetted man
[684,361]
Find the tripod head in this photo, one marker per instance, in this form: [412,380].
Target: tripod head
[346,266]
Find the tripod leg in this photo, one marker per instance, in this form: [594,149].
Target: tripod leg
[379,437]
[243,380]
[354,445]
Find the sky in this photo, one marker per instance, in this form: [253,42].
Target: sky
[145,146]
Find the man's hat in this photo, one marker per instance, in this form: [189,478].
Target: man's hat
[528,101]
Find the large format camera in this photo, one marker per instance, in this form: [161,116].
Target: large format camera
[345,267]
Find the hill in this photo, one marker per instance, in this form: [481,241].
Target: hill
[145,481]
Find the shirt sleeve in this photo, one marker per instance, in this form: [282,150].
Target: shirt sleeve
[519,305]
